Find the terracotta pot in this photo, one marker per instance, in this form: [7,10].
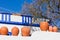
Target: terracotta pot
[25,31]
[15,31]
[50,29]
[44,26]
[0,31]
[55,29]
[4,30]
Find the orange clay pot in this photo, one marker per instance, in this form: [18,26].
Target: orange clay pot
[50,29]
[44,26]
[0,31]
[4,30]
[15,31]
[25,31]
[55,29]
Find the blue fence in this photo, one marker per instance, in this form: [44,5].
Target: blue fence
[26,20]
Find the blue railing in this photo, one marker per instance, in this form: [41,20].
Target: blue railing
[26,20]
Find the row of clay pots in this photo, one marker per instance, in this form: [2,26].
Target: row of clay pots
[44,26]
[25,31]
[53,29]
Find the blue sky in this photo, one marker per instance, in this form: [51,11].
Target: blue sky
[13,5]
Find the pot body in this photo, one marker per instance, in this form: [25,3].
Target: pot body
[25,31]
[55,29]
[4,31]
[44,26]
[50,29]
[15,31]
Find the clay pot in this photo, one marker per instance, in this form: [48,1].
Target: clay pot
[25,31]
[50,29]
[44,26]
[15,31]
[0,31]
[55,29]
[4,30]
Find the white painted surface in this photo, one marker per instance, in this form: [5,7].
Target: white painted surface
[9,37]
[0,16]
[7,17]
[16,18]
[35,36]
[38,35]
[4,17]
